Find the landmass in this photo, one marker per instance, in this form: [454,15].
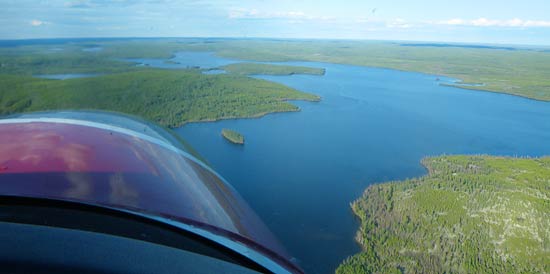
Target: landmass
[233,136]
[269,69]
[470,214]
[168,97]
[522,71]
[518,71]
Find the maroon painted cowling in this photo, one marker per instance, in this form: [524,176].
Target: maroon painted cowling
[125,163]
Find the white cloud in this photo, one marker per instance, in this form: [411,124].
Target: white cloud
[531,23]
[454,21]
[37,23]
[398,23]
[484,22]
[240,13]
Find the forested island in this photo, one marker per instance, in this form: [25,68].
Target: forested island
[233,136]
[269,69]
[470,214]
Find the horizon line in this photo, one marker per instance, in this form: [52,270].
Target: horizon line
[274,38]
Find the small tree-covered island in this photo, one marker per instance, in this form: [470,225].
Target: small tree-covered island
[470,214]
[233,136]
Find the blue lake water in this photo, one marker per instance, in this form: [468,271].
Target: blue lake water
[301,170]
[186,60]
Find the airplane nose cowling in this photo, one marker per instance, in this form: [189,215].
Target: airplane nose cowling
[125,163]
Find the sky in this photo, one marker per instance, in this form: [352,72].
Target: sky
[524,22]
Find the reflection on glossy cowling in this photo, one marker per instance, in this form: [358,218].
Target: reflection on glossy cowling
[106,165]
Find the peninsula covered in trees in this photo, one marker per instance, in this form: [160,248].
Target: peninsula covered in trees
[169,97]
[470,214]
